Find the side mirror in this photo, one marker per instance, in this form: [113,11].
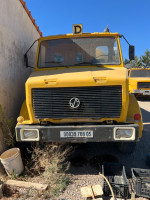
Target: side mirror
[26,60]
[131,52]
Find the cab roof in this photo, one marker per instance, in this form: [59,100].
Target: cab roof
[70,35]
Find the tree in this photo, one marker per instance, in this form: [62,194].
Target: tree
[145,59]
[126,61]
[139,62]
[136,63]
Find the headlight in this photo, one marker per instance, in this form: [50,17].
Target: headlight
[124,133]
[29,134]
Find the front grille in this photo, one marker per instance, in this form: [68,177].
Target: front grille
[95,102]
[143,85]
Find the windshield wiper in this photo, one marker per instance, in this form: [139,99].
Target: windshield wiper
[57,62]
[84,63]
[76,64]
[88,63]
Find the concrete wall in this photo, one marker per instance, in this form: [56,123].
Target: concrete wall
[17,33]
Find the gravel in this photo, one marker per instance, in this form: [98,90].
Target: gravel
[87,173]
[78,181]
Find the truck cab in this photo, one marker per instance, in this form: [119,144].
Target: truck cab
[79,92]
[139,81]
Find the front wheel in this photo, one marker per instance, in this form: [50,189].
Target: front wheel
[126,147]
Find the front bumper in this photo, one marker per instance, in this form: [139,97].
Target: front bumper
[142,92]
[100,133]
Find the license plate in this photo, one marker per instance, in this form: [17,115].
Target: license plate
[146,92]
[76,134]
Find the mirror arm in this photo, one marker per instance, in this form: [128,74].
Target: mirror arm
[31,46]
[26,61]
[30,67]
[130,46]
[125,39]
[26,57]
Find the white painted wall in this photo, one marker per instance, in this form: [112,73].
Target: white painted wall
[17,33]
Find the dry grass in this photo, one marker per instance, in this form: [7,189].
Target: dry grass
[8,129]
[49,163]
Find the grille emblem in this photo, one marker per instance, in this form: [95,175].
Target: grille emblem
[74,102]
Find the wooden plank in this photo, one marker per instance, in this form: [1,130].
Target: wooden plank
[97,189]
[86,192]
[24,184]
[132,196]
[90,191]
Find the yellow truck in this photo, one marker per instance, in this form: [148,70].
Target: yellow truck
[139,81]
[79,92]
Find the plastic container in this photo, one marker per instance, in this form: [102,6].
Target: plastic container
[116,175]
[12,162]
[141,180]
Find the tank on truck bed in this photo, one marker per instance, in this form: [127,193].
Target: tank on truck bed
[79,92]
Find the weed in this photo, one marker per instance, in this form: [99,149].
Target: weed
[7,127]
[27,192]
[49,162]
[14,175]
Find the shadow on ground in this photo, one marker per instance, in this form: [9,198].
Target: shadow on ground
[145,115]
[88,158]
[143,98]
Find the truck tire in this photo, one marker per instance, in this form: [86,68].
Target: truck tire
[127,147]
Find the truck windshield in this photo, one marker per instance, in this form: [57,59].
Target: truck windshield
[140,73]
[79,51]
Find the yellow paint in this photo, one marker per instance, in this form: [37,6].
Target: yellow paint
[134,109]
[80,76]
[133,81]
[24,114]
[20,119]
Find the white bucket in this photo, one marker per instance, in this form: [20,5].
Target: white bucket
[12,162]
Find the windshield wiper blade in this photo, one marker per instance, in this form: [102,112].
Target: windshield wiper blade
[84,63]
[89,63]
[57,62]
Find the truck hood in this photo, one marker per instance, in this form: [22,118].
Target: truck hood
[73,76]
[133,82]
[139,79]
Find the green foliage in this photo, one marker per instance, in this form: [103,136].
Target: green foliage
[7,127]
[145,59]
[136,63]
[139,62]
[14,174]
[126,61]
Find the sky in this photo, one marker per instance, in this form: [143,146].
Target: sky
[129,17]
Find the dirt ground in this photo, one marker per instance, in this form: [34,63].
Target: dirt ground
[88,158]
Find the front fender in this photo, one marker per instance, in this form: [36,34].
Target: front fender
[24,113]
[133,109]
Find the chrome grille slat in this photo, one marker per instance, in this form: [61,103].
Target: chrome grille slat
[96,102]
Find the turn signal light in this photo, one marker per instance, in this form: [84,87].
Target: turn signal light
[20,119]
[137,117]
